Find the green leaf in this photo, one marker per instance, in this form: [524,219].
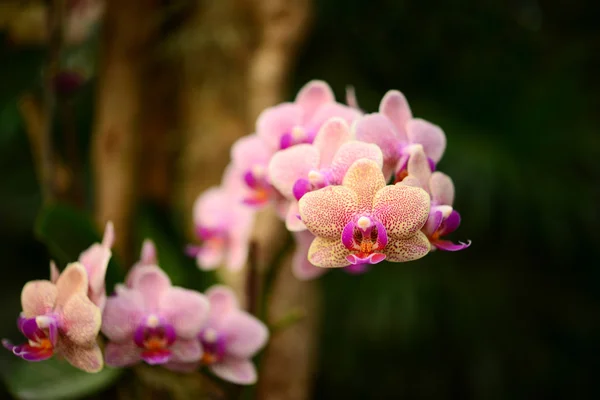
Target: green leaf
[55,380]
[67,232]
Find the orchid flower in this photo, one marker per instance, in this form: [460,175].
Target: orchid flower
[153,321]
[304,168]
[289,124]
[60,319]
[365,221]
[223,225]
[396,132]
[443,219]
[230,338]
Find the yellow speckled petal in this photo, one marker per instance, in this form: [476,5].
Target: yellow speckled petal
[365,178]
[402,209]
[328,253]
[402,250]
[325,212]
[38,298]
[72,280]
[87,358]
[81,319]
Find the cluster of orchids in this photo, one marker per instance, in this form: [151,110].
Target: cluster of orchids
[146,319]
[355,189]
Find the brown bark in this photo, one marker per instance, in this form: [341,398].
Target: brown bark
[127,28]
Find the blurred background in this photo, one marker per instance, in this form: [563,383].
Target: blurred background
[146,98]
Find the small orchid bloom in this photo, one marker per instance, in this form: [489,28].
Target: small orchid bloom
[231,337]
[95,260]
[251,155]
[364,221]
[60,319]
[443,219]
[153,321]
[289,124]
[223,225]
[304,168]
[396,132]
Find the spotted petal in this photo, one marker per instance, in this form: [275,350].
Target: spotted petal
[186,310]
[235,370]
[430,136]
[73,280]
[412,248]
[442,189]
[81,319]
[350,152]
[289,165]
[328,253]
[38,298]
[87,358]
[312,96]
[402,209]
[364,178]
[325,212]
[395,107]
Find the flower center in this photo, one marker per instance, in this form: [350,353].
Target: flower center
[154,337]
[315,180]
[260,188]
[365,238]
[214,344]
[41,333]
[296,136]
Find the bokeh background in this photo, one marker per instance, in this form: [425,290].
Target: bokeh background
[515,86]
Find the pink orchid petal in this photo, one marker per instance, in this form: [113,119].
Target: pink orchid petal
[275,121]
[328,253]
[331,110]
[442,189]
[148,253]
[351,99]
[238,252]
[292,221]
[95,260]
[251,150]
[38,298]
[403,210]
[377,129]
[222,302]
[208,207]
[245,334]
[186,310]
[312,96]
[451,222]
[54,272]
[289,165]
[209,258]
[418,167]
[350,152]
[430,136]
[412,248]
[447,245]
[122,354]
[186,351]
[301,267]
[235,370]
[364,178]
[433,222]
[152,283]
[122,315]
[81,319]
[395,107]
[327,211]
[87,358]
[71,281]
[331,136]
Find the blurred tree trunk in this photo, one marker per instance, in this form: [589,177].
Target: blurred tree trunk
[236,64]
[127,28]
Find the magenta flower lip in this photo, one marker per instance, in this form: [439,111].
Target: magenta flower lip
[41,340]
